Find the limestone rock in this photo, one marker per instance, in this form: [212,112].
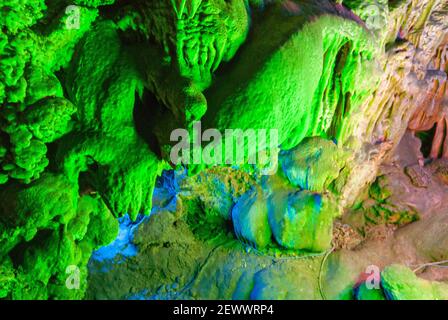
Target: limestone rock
[400,283]
[313,164]
[303,221]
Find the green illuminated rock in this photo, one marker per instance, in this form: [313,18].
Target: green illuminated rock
[44,229]
[313,164]
[295,81]
[302,220]
[250,219]
[362,292]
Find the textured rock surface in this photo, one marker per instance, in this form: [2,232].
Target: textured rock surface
[300,103]
[314,164]
[250,220]
[303,221]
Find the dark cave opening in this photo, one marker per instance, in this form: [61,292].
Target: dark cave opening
[86,179]
[343,104]
[17,254]
[147,112]
[427,137]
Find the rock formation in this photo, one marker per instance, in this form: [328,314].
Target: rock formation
[338,157]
